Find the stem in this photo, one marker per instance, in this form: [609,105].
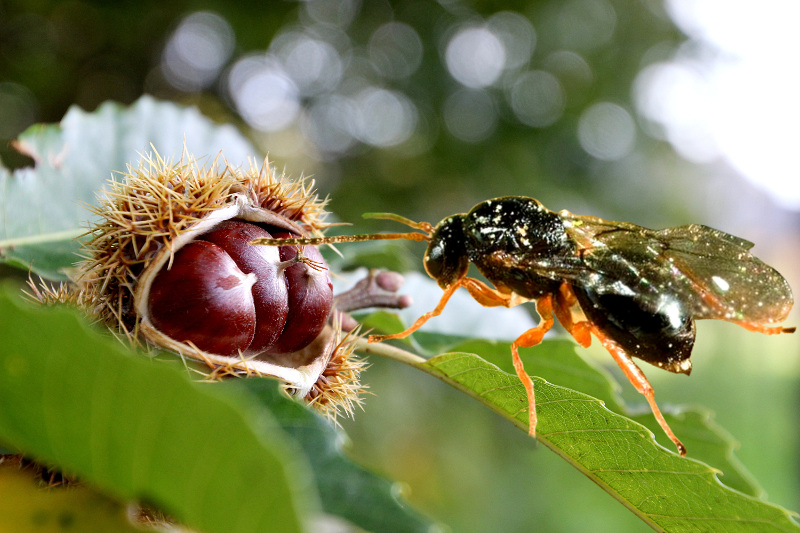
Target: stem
[392,352]
[376,289]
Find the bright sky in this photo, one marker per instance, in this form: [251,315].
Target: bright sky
[734,90]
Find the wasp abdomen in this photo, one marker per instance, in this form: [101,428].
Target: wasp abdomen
[659,331]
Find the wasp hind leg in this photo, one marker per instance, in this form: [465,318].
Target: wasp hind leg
[767,330]
[639,381]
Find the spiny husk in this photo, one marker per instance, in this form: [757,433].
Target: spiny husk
[338,389]
[159,201]
[158,207]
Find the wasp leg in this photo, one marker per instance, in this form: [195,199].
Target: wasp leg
[448,292]
[489,297]
[532,337]
[565,301]
[482,293]
[639,381]
[767,330]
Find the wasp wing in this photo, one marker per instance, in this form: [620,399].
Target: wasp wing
[711,272]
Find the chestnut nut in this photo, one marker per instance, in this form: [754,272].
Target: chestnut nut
[227,297]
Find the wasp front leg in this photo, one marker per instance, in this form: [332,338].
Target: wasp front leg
[482,293]
[448,292]
[489,297]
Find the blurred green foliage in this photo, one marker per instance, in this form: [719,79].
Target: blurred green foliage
[55,54]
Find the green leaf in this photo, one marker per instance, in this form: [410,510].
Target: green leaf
[142,429]
[668,492]
[559,362]
[74,159]
[27,508]
[707,442]
[346,490]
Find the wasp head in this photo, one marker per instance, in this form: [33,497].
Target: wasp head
[446,259]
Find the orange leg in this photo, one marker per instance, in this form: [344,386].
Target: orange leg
[489,297]
[768,330]
[448,292]
[532,337]
[639,381]
[482,293]
[565,300]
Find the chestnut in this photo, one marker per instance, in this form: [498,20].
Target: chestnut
[168,264]
[310,296]
[204,298]
[270,291]
[227,297]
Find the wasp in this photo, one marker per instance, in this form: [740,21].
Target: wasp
[638,291]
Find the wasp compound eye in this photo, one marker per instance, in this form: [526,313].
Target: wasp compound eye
[434,259]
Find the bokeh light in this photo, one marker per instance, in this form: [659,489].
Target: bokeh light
[470,115]
[730,93]
[340,13]
[339,95]
[606,131]
[672,97]
[328,124]
[517,35]
[537,98]
[395,50]
[475,56]
[586,24]
[383,118]
[313,65]
[197,51]
[263,93]
[573,73]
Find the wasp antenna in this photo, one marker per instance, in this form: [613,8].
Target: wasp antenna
[422,226]
[316,241]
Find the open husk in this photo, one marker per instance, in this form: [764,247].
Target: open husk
[155,209]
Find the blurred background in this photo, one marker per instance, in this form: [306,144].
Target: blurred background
[654,112]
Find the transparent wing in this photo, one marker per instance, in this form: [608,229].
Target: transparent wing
[711,272]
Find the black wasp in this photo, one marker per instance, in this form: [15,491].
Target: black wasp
[639,291]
